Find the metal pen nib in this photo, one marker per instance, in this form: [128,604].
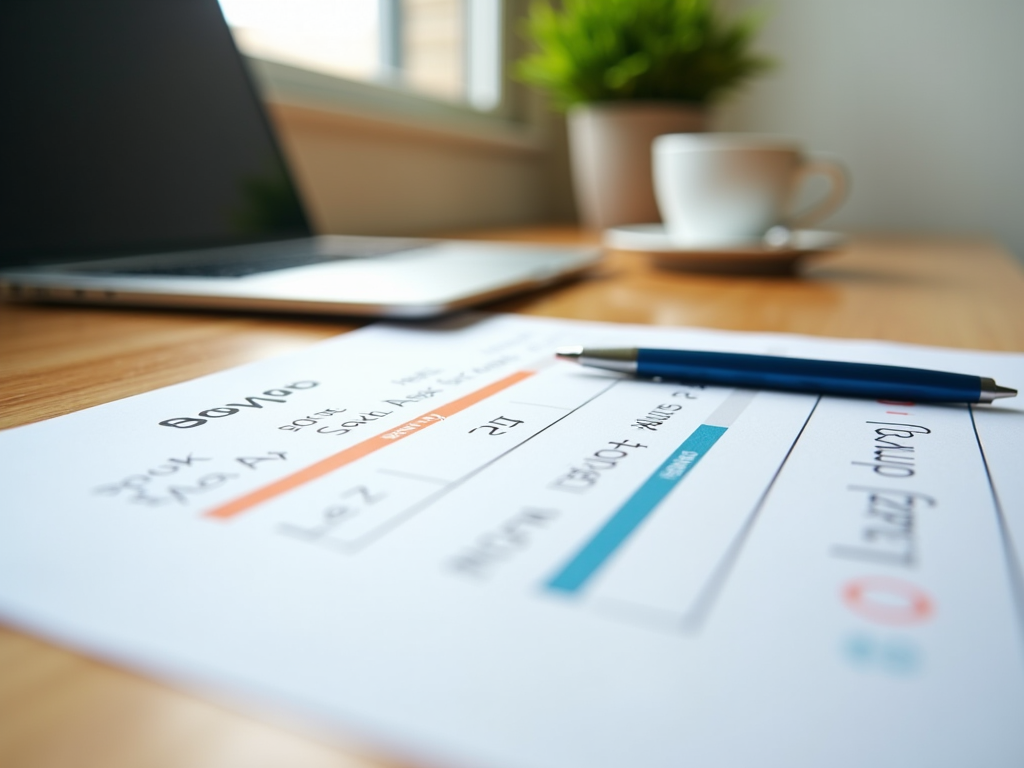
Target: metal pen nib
[991,391]
[621,360]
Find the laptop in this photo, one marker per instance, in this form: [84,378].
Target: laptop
[138,167]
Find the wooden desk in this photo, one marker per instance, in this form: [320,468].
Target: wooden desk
[60,709]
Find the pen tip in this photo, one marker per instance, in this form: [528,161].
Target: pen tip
[991,391]
[569,353]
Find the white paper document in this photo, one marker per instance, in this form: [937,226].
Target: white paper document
[448,544]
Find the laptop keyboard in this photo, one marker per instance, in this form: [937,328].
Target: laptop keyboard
[248,264]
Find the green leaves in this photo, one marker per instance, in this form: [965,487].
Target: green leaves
[604,50]
[621,76]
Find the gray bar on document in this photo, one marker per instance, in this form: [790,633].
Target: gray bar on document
[725,414]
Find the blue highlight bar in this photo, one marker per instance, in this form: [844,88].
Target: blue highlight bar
[575,574]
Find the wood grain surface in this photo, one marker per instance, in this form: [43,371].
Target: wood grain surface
[59,708]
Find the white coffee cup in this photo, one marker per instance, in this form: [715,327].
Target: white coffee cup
[722,189]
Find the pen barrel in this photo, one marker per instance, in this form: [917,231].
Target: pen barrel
[878,382]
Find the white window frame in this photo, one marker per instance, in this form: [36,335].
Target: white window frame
[515,123]
[484,25]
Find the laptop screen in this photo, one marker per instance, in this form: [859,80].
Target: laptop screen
[132,126]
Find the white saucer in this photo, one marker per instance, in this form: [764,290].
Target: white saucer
[754,257]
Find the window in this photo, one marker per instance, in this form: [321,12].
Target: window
[449,50]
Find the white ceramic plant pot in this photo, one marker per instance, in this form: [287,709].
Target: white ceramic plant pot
[610,148]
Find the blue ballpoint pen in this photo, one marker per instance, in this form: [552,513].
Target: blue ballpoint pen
[880,382]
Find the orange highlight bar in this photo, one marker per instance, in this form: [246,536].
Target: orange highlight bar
[359,450]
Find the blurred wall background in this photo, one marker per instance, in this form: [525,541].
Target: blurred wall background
[371,178]
[924,100]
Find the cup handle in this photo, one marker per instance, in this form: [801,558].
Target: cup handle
[823,165]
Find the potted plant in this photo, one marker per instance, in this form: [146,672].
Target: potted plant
[627,71]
